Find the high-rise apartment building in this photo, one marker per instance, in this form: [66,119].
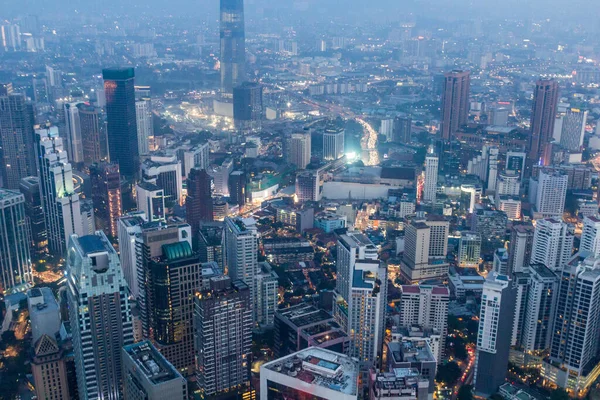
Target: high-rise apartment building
[550,190]
[223,326]
[431,177]
[106,196]
[74,133]
[147,375]
[247,107]
[34,214]
[493,340]
[519,248]
[198,203]
[425,306]
[572,364]
[573,129]
[15,256]
[121,119]
[233,45]
[351,247]
[543,115]
[267,285]
[60,202]
[10,37]
[552,244]
[129,226]
[299,150]
[539,312]
[455,102]
[17,138]
[590,236]
[145,125]
[333,143]
[309,186]
[100,315]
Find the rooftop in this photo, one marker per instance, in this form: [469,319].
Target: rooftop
[303,315]
[91,244]
[319,367]
[411,351]
[153,365]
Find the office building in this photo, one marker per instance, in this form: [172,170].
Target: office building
[519,247]
[318,373]
[573,129]
[223,326]
[237,188]
[552,244]
[16,136]
[73,133]
[192,156]
[93,134]
[129,226]
[549,193]
[402,130]
[426,307]
[121,119]
[164,171]
[493,340]
[147,375]
[210,243]
[49,369]
[431,178]
[543,115]
[151,200]
[100,315]
[572,364]
[333,143]
[106,196]
[44,314]
[413,359]
[220,175]
[539,313]
[247,107]
[299,151]
[267,285]
[455,102]
[60,202]
[145,125]
[590,235]
[515,163]
[34,215]
[199,202]
[303,325]
[351,247]
[469,249]
[498,116]
[233,45]
[425,248]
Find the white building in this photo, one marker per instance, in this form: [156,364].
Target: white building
[552,244]
[165,172]
[316,372]
[145,126]
[573,129]
[151,201]
[129,228]
[590,235]
[300,150]
[387,129]
[431,177]
[333,143]
[100,315]
[351,247]
[220,175]
[507,184]
[511,206]
[59,200]
[550,192]
[74,134]
[539,313]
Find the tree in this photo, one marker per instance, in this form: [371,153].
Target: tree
[465,392]
[449,373]
[559,394]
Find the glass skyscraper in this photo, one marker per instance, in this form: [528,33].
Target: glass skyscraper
[233,45]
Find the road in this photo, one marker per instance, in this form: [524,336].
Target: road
[467,376]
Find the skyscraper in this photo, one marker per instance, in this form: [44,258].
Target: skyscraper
[92,136]
[74,133]
[552,244]
[49,370]
[60,202]
[198,203]
[151,200]
[106,196]
[247,106]
[147,375]
[431,177]
[130,225]
[426,245]
[519,249]
[100,315]
[223,326]
[493,340]
[16,136]
[573,129]
[233,45]
[550,192]
[543,116]
[590,236]
[455,102]
[165,172]
[237,188]
[402,130]
[121,118]
[34,213]
[351,247]
[15,258]
[145,126]
[333,143]
[469,249]
[309,186]
[299,152]
[539,313]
